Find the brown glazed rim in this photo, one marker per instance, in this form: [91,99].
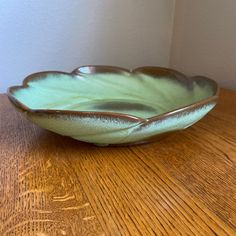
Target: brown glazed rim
[149,70]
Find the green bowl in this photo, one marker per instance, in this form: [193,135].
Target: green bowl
[111,105]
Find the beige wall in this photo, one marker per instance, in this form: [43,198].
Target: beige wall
[61,35]
[204,39]
[125,33]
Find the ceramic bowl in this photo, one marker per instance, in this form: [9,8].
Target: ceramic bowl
[111,105]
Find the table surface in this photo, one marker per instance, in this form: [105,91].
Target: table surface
[184,184]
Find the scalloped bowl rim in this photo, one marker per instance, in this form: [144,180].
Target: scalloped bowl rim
[112,69]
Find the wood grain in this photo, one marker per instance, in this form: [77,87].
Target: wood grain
[184,184]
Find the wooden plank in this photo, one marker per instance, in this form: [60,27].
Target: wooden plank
[184,184]
[39,193]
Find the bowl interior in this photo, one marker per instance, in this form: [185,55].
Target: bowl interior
[135,94]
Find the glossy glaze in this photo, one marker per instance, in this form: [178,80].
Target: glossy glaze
[110,105]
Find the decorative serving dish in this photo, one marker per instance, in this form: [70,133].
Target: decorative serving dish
[111,105]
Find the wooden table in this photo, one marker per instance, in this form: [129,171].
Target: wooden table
[184,184]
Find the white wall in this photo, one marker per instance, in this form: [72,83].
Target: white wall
[204,39]
[38,35]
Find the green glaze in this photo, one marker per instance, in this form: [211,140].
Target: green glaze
[137,95]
